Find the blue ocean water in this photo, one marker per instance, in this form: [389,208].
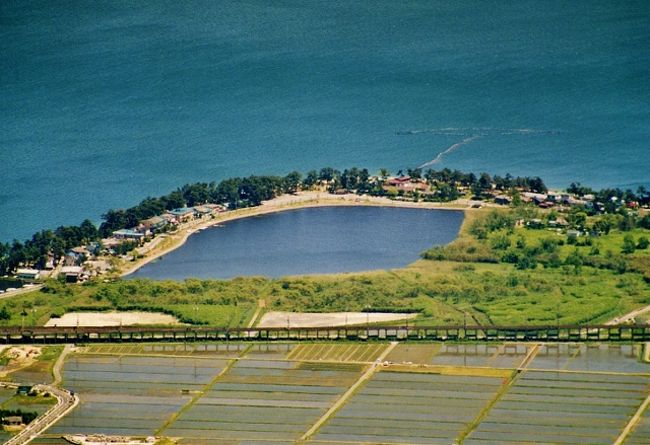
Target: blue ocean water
[308,241]
[106,102]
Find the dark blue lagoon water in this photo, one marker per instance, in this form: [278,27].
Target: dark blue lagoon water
[308,241]
[106,102]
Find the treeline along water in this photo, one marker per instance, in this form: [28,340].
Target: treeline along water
[106,102]
[307,241]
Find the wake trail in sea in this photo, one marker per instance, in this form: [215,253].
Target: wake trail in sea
[471,134]
[448,150]
[471,131]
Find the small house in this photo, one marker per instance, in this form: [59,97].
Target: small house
[537,198]
[203,211]
[395,182]
[76,256]
[183,214]
[216,208]
[558,223]
[28,274]
[23,390]
[153,224]
[12,420]
[576,202]
[128,234]
[72,273]
[502,200]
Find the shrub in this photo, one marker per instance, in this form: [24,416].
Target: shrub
[628,244]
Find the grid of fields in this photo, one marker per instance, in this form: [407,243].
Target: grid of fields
[413,408]
[130,395]
[563,408]
[427,393]
[264,400]
[349,352]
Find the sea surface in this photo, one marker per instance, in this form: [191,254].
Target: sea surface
[106,102]
[308,241]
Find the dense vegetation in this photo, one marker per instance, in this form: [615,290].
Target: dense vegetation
[618,242]
[481,277]
[27,416]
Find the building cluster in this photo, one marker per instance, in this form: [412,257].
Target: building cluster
[162,223]
[84,262]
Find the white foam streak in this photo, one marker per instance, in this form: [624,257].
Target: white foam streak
[453,147]
[454,131]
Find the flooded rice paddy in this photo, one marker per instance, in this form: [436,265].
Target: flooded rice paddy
[272,394]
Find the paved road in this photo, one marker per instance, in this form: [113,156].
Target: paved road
[66,401]
[20,291]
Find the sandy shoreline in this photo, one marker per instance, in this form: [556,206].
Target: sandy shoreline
[292,202]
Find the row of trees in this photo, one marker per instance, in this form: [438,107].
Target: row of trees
[37,250]
[610,196]
[484,181]
[445,181]
[233,192]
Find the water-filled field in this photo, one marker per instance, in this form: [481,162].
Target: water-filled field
[272,394]
[487,355]
[414,408]
[130,394]
[552,407]
[264,399]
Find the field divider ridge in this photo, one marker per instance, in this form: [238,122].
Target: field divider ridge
[505,387]
[201,393]
[532,353]
[633,422]
[261,304]
[349,393]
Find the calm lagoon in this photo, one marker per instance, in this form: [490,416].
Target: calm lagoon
[308,241]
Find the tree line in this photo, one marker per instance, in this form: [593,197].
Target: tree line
[250,191]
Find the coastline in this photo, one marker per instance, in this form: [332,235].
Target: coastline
[282,203]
